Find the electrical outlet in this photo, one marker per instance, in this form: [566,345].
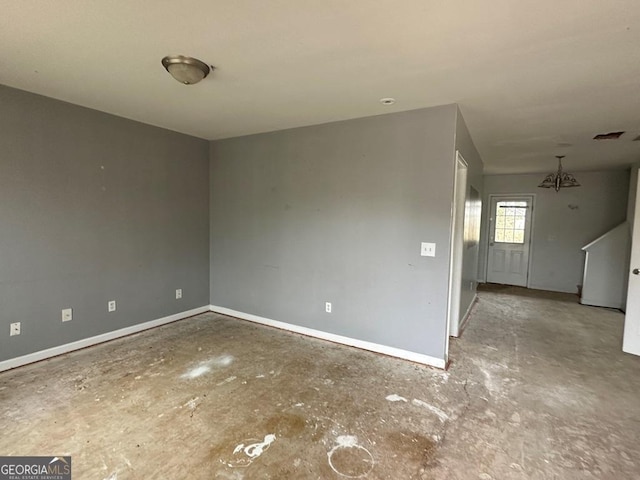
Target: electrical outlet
[327,307]
[428,249]
[178,293]
[15,329]
[111,306]
[67,314]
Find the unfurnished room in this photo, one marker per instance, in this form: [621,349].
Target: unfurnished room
[319,240]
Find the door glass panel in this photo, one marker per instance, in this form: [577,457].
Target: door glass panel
[510,222]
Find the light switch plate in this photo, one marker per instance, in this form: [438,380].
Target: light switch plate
[428,249]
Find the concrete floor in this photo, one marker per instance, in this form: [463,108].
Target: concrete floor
[538,389]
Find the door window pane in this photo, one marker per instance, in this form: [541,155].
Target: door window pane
[510,222]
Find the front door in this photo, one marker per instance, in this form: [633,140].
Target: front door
[631,340]
[509,238]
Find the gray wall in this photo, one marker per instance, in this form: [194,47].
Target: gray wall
[336,213]
[93,208]
[560,232]
[464,144]
[633,192]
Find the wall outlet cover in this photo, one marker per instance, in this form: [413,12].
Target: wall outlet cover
[428,249]
[67,314]
[178,293]
[14,329]
[111,306]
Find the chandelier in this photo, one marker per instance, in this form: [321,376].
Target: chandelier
[559,179]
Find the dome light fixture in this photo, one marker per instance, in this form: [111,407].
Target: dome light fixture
[186,70]
[559,179]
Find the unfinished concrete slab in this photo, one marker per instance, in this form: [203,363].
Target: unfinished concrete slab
[538,388]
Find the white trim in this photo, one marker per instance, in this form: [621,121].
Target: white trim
[351,342]
[467,314]
[104,337]
[456,248]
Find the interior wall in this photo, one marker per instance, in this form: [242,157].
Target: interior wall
[95,208]
[336,213]
[473,211]
[633,192]
[563,222]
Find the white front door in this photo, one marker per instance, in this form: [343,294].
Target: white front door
[631,339]
[509,237]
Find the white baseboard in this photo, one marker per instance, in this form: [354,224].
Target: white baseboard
[87,342]
[465,318]
[602,302]
[352,342]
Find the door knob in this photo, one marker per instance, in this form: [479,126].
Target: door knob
[635,271]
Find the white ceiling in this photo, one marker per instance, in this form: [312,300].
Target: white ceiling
[533,78]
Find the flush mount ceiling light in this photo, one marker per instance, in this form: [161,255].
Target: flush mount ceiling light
[559,179]
[387,101]
[186,70]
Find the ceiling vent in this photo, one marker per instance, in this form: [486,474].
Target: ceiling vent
[608,136]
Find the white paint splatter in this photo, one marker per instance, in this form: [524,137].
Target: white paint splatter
[395,398]
[441,415]
[207,366]
[351,442]
[299,405]
[196,372]
[113,476]
[193,403]
[226,380]
[255,450]
[493,383]
[347,441]
[244,455]
[260,376]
